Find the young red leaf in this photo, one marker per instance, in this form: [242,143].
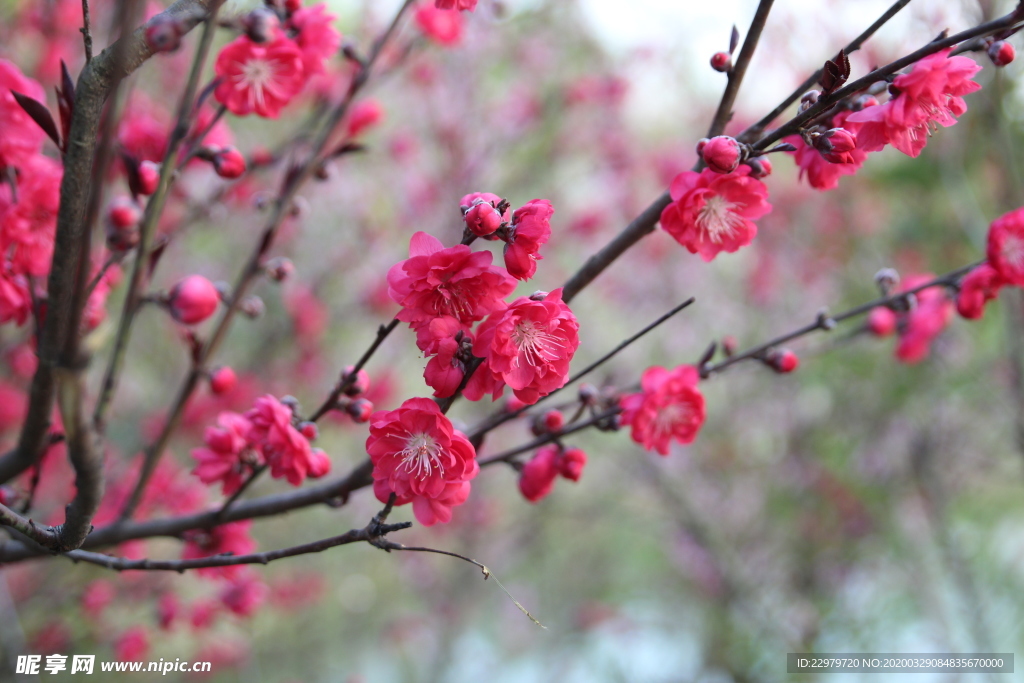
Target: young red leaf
[40,114]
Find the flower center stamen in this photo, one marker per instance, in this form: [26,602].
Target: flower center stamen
[533,343]
[716,219]
[421,455]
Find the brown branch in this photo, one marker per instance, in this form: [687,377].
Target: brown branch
[645,223]
[850,48]
[1008,22]
[86,34]
[349,378]
[252,269]
[45,536]
[732,87]
[826,322]
[95,83]
[154,209]
[373,533]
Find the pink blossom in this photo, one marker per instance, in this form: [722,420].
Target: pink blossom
[364,115]
[259,79]
[22,138]
[437,339]
[882,321]
[15,299]
[232,538]
[245,593]
[669,406]
[713,212]
[227,457]
[528,346]
[316,38]
[441,25]
[97,596]
[823,171]
[571,464]
[530,228]
[1006,246]
[28,226]
[980,286]
[132,645]
[932,93]
[455,282]
[924,322]
[422,459]
[283,446]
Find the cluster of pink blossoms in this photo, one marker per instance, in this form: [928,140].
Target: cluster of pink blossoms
[933,309]
[267,435]
[539,473]
[527,344]
[263,70]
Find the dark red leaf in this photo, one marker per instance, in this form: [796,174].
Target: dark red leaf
[40,114]
[131,166]
[734,39]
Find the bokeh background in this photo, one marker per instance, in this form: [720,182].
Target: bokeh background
[856,505]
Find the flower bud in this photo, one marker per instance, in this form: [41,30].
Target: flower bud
[1001,53]
[292,6]
[537,477]
[123,213]
[360,410]
[360,384]
[721,62]
[279,269]
[570,465]
[701,144]
[261,24]
[483,219]
[222,380]
[836,146]
[252,307]
[364,114]
[760,167]
[229,163]
[163,34]
[783,361]
[722,154]
[149,177]
[729,346]
[309,430]
[193,300]
[588,394]
[887,279]
[881,321]
[319,464]
[809,99]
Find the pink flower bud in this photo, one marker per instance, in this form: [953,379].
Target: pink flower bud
[309,430]
[836,146]
[292,6]
[783,361]
[881,321]
[123,213]
[538,475]
[721,61]
[553,421]
[149,177]
[483,219]
[360,410]
[229,163]
[365,114]
[1001,53]
[360,384]
[722,154]
[163,34]
[222,380]
[760,167]
[701,144]
[193,300]
[570,465]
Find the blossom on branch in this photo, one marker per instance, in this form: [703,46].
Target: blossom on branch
[528,346]
[228,456]
[20,137]
[285,449]
[260,79]
[714,212]
[1006,246]
[422,459]
[457,282]
[530,228]
[315,36]
[932,93]
[441,25]
[980,286]
[669,406]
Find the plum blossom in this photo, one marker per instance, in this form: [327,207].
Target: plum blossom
[232,538]
[932,93]
[22,138]
[714,212]
[924,322]
[260,79]
[1006,246]
[316,36]
[441,25]
[228,456]
[528,346]
[456,282]
[422,459]
[530,228]
[669,406]
[285,449]
[980,286]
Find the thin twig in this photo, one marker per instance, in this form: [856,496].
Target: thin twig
[732,87]
[86,34]
[350,377]
[241,489]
